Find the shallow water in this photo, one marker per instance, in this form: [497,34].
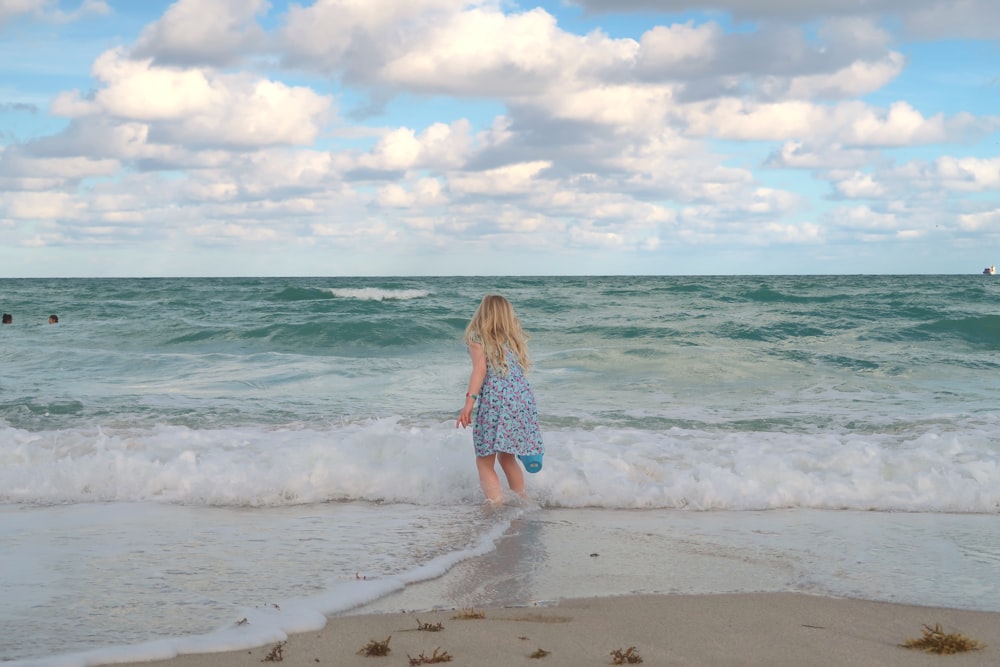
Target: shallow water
[907,558]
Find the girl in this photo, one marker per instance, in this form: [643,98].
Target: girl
[506,423]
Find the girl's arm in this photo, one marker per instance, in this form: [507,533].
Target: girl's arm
[475,383]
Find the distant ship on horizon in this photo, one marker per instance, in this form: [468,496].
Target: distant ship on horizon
[990,270]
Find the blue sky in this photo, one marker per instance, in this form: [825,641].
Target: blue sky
[498,137]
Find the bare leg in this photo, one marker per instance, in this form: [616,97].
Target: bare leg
[512,469]
[488,478]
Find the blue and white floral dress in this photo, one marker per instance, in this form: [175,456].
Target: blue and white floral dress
[506,417]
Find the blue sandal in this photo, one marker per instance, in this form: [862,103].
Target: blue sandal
[532,462]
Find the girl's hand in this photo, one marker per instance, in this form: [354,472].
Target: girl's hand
[465,416]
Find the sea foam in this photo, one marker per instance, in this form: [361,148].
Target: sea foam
[396,460]
[377,294]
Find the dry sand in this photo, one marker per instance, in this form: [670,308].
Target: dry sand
[743,629]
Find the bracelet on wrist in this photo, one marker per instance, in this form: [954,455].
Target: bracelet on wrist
[474,397]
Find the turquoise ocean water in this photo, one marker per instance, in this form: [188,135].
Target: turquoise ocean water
[177,454]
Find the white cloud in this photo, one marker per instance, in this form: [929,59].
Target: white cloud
[520,227]
[422,193]
[864,219]
[679,44]
[231,230]
[988,221]
[632,108]
[859,186]
[199,105]
[854,124]
[486,53]
[98,135]
[73,105]
[265,174]
[41,206]
[807,232]
[969,174]
[482,53]
[629,216]
[137,90]
[472,49]
[921,181]
[86,8]
[927,19]
[931,187]
[901,125]
[73,168]
[859,78]
[366,230]
[771,202]
[799,155]
[977,19]
[665,166]
[10,9]
[790,10]
[440,146]
[453,47]
[510,179]
[333,34]
[845,57]
[48,10]
[196,32]
[584,235]
[739,119]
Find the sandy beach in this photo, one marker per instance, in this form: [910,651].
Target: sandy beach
[742,629]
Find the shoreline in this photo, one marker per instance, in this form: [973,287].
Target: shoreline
[700,589]
[791,629]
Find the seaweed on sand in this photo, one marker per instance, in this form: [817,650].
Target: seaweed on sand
[627,657]
[375,648]
[935,640]
[431,659]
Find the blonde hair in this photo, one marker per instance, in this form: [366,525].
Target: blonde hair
[496,328]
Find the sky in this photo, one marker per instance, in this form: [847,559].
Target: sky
[498,137]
